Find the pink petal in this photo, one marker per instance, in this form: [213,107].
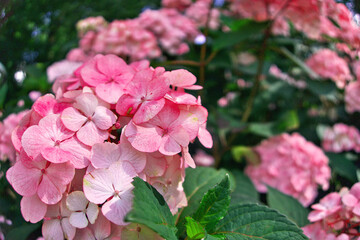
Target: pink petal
[142,138]
[52,229]
[68,229]
[44,105]
[148,110]
[91,76]
[104,154]
[180,78]
[52,127]
[92,212]
[155,166]
[205,137]
[122,174]
[33,141]
[24,180]
[87,103]
[48,191]
[127,105]
[89,134]
[72,119]
[32,209]
[98,186]
[56,155]
[80,152]
[134,157]
[169,146]
[101,227]
[111,65]
[103,118]
[78,220]
[110,92]
[116,209]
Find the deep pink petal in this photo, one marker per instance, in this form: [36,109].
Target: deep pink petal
[127,105]
[103,118]
[56,155]
[148,110]
[72,119]
[32,208]
[104,154]
[111,65]
[116,209]
[92,77]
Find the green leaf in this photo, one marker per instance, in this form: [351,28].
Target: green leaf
[3,92]
[22,232]
[325,88]
[197,182]
[343,166]
[253,221]
[245,191]
[243,29]
[150,209]
[298,62]
[262,129]
[214,205]
[288,121]
[194,229]
[288,206]
[239,152]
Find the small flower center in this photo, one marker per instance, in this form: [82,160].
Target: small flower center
[57,143]
[43,171]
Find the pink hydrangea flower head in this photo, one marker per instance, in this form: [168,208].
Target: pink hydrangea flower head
[199,12]
[292,165]
[177,4]
[340,137]
[38,176]
[90,24]
[352,97]
[111,186]
[328,64]
[88,119]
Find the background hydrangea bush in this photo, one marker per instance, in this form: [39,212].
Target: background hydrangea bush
[180,119]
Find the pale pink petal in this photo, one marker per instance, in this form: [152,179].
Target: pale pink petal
[101,228]
[148,110]
[116,209]
[72,119]
[68,229]
[180,78]
[98,186]
[155,166]
[54,129]
[32,209]
[89,134]
[136,158]
[92,77]
[78,220]
[103,118]
[52,229]
[205,137]
[180,135]
[76,201]
[104,154]
[142,138]
[187,157]
[92,212]
[110,92]
[169,146]
[87,103]
[61,174]
[24,180]
[80,152]
[85,234]
[122,174]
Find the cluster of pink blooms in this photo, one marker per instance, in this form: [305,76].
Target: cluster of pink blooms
[309,16]
[328,64]
[352,97]
[292,165]
[143,37]
[200,11]
[276,72]
[78,151]
[7,150]
[336,217]
[341,137]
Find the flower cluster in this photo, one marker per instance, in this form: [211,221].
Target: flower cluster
[328,64]
[341,137]
[292,165]
[144,37]
[352,97]
[7,150]
[78,151]
[312,17]
[336,217]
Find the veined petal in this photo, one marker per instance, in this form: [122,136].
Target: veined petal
[32,208]
[72,119]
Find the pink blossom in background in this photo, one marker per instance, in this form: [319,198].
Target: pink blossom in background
[7,150]
[352,97]
[328,64]
[292,165]
[341,137]
[34,95]
[276,72]
[64,67]
[90,24]
[199,12]
[201,158]
[177,4]
[336,216]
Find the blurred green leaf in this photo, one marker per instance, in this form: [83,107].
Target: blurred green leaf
[288,206]
[22,232]
[343,166]
[3,92]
